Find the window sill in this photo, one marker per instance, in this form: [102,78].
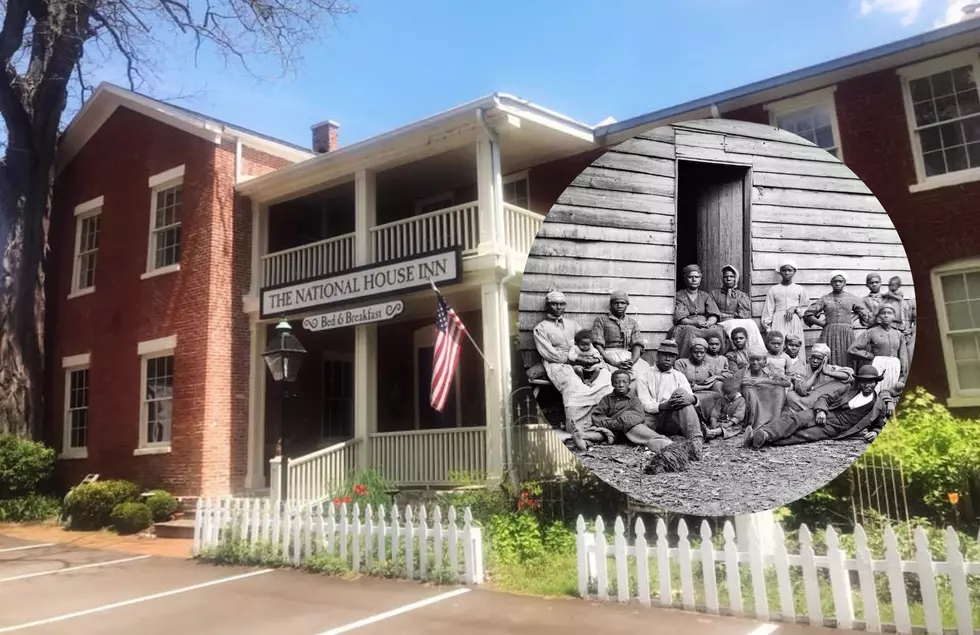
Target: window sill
[79,293]
[154,449]
[73,454]
[160,272]
[963,402]
[946,180]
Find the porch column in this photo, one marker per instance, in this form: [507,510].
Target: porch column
[260,246]
[366,335]
[495,347]
[255,468]
[490,191]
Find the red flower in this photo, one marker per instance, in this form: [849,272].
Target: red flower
[346,499]
[360,490]
[337,501]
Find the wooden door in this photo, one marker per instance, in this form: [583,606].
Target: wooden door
[337,423]
[721,224]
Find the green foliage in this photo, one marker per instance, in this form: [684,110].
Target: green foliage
[131,517]
[162,505]
[29,508]
[515,537]
[366,487]
[25,465]
[90,506]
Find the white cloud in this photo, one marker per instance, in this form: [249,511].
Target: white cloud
[954,11]
[907,10]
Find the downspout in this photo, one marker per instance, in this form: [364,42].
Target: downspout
[715,113]
[238,161]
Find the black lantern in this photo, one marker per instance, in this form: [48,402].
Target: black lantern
[283,355]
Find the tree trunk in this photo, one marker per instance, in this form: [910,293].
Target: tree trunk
[25,184]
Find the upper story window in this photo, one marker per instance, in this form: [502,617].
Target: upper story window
[957,293]
[812,116]
[88,216]
[516,191]
[166,190]
[942,105]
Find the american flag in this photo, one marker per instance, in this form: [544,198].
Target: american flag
[446,354]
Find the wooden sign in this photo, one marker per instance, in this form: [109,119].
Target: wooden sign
[353,317]
[370,281]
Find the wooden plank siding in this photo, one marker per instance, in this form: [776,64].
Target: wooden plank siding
[615,226]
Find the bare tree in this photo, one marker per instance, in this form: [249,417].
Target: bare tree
[46,47]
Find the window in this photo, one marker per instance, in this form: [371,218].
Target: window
[166,191]
[434,203]
[812,116]
[337,423]
[957,293]
[156,400]
[516,190]
[87,223]
[76,419]
[942,103]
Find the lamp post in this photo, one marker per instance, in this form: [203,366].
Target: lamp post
[283,355]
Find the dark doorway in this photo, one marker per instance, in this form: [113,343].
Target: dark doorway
[713,220]
[337,423]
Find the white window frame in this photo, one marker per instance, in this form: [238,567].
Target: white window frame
[824,97]
[70,365]
[83,211]
[425,337]
[957,398]
[918,71]
[520,176]
[153,349]
[158,183]
[448,197]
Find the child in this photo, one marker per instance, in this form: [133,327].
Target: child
[785,303]
[764,390]
[873,300]
[885,348]
[718,362]
[584,357]
[728,413]
[738,357]
[904,319]
[794,363]
[774,347]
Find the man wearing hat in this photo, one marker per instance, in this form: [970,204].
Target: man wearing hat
[619,339]
[669,404]
[850,412]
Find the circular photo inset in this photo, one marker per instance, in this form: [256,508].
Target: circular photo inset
[717,317]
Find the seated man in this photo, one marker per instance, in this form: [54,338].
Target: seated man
[849,412]
[619,416]
[668,402]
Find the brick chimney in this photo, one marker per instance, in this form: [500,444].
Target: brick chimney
[325,136]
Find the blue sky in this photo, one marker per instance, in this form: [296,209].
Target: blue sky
[395,61]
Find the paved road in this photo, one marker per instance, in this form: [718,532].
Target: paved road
[49,589]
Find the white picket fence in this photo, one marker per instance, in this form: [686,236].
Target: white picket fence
[296,532]
[594,579]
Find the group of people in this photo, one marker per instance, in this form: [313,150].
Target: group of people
[718,375]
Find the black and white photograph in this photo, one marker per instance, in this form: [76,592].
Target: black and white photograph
[717,317]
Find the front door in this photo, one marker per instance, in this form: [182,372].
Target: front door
[337,423]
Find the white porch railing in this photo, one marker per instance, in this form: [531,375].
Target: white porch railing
[315,476]
[321,258]
[540,453]
[520,228]
[451,227]
[428,457]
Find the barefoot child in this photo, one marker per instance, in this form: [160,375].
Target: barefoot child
[738,357]
[620,415]
[585,358]
[792,348]
[778,360]
[718,362]
[728,413]
[763,388]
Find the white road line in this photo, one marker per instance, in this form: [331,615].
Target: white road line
[47,544]
[117,605]
[764,629]
[79,567]
[392,613]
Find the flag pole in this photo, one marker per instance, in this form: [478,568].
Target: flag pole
[435,289]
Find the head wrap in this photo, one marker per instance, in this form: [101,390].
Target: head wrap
[836,273]
[758,351]
[868,278]
[885,306]
[733,270]
[820,349]
[619,295]
[554,296]
[688,269]
[786,262]
[699,341]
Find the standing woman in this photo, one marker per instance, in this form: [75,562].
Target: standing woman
[838,309]
[786,303]
[695,313]
[735,307]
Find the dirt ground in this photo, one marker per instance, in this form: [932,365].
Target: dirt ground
[729,480]
[136,544]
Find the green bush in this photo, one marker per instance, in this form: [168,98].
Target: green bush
[366,487]
[24,466]
[90,506]
[131,518]
[162,505]
[30,508]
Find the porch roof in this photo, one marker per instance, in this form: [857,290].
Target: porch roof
[552,135]
[926,45]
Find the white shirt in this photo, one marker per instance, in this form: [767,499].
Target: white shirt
[859,400]
[654,387]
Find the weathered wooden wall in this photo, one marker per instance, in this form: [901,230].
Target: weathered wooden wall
[614,227]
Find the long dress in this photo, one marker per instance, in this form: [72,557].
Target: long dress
[698,374]
[779,299]
[553,338]
[618,336]
[886,350]
[839,310]
[685,306]
[821,386]
[736,311]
